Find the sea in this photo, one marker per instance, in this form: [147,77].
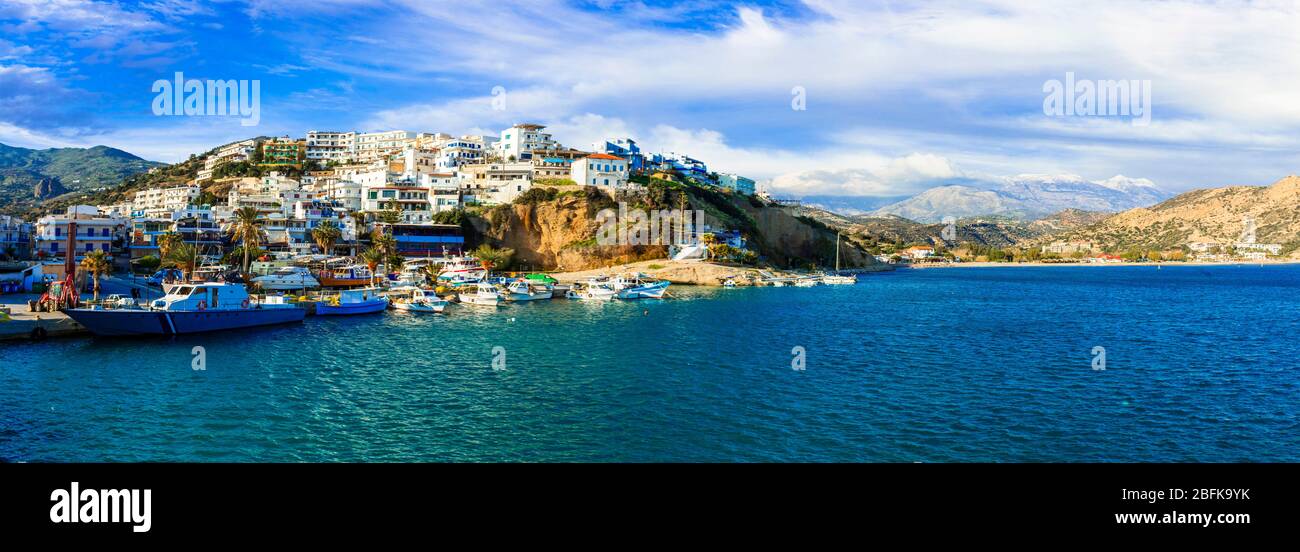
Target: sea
[998,364]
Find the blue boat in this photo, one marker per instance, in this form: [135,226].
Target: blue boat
[189,308]
[353,301]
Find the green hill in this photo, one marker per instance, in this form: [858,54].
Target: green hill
[29,176]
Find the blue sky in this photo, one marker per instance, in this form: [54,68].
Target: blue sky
[900,96]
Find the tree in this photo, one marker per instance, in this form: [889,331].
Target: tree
[168,241]
[326,234]
[390,216]
[493,257]
[97,264]
[183,256]
[248,231]
[372,257]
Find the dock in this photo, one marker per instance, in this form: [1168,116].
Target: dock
[20,324]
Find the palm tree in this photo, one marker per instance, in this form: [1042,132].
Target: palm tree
[326,234]
[182,256]
[246,229]
[167,241]
[97,264]
[372,257]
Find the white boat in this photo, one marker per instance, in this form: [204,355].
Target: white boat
[591,292]
[287,278]
[460,269]
[729,283]
[418,300]
[839,280]
[807,282]
[523,290]
[481,293]
[639,286]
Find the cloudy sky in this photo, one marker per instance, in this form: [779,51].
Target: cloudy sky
[898,96]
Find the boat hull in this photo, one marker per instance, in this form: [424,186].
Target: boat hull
[421,306]
[366,307]
[151,322]
[652,291]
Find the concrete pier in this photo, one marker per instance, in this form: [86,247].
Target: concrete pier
[20,324]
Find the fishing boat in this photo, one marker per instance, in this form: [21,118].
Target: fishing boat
[352,275]
[415,299]
[591,292]
[460,269]
[639,286]
[190,308]
[352,301]
[525,290]
[287,278]
[481,293]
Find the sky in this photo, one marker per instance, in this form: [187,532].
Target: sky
[812,97]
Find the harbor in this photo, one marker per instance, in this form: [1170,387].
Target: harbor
[704,375]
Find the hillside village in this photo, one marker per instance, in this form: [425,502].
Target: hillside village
[427,190]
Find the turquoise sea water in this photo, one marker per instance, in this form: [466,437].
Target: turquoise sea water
[940,365]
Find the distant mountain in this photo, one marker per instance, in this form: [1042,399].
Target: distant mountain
[1027,197]
[1216,215]
[993,231]
[849,205]
[29,176]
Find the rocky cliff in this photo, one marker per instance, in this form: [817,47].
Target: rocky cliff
[558,232]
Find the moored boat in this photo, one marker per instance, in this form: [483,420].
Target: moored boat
[287,278]
[481,293]
[591,292]
[525,290]
[352,301]
[345,276]
[639,286]
[189,308]
[418,300]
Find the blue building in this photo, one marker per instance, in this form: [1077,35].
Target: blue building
[625,148]
[428,240]
[736,183]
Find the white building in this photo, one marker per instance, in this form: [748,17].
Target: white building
[452,154]
[229,153]
[325,146]
[161,202]
[411,200]
[607,172]
[93,232]
[520,141]
[371,146]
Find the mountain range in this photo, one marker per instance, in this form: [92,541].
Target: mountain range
[1027,197]
[1213,215]
[28,176]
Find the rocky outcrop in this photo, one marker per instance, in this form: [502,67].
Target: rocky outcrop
[47,188]
[560,233]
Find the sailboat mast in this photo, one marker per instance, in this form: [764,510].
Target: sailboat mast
[837,252]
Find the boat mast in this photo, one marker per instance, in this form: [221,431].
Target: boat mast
[837,251]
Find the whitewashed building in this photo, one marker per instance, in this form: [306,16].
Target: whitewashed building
[607,172]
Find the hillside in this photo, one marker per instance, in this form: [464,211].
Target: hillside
[29,176]
[1027,197]
[1214,215]
[989,231]
[557,230]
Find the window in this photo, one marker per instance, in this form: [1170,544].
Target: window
[104,247]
